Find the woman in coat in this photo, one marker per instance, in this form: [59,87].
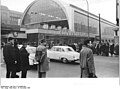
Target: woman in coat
[17,57]
[24,60]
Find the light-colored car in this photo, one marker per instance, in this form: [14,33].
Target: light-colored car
[63,53]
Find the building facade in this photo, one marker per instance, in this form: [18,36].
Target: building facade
[10,23]
[63,23]
[9,16]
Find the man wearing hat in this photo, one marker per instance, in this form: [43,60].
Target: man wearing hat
[8,53]
[41,57]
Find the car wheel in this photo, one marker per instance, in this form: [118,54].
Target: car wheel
[64,60]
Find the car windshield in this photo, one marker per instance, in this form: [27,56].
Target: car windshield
[69,50]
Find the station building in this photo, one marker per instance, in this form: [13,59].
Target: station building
[63,23]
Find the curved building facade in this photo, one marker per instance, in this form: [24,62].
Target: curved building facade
[60,22]
[45,11]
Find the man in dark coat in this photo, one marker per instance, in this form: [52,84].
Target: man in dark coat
[8,53]
[117,49]
[107,49]
[103,47]
[24,60]
[112,49]
[80,47]
[17,57]
[98,48]
[73,46]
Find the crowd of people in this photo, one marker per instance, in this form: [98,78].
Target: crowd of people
[106,49]
[18,59]
[103,49]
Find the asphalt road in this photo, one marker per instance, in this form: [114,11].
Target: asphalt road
[106,67]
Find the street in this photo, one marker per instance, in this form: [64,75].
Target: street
[106,67]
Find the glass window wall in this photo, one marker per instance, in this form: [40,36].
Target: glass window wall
[44,11]
[81,25]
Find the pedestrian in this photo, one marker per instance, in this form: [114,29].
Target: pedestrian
[103,47]
[8,53]
[17,57]
[80,47]
[24,60]
[112,49]
[73,46]
[41,57]
[107,49]
[117,49]
[87,61]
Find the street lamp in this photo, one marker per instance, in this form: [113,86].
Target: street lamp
[88,16]
[117,18]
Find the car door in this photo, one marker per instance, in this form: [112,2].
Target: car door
[57,53]
[51,53]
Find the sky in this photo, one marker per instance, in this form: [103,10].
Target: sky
[106,8]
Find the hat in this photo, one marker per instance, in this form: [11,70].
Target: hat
[10,38]
[43,40]
[86,42]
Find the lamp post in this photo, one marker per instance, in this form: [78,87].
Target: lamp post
[117,18]
[99,30]
[88,16]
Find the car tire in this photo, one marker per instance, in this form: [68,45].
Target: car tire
[64,60]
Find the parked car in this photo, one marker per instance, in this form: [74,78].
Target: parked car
[63,53]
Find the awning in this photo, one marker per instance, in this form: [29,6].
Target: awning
[19,35]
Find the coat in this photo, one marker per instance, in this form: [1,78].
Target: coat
[112,49]
[8,53]
[117,49]
[86,62]
[17,58]
[41,56]
[24,59]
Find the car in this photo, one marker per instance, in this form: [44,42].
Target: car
[63,53]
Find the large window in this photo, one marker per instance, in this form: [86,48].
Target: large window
[44,11]
[81,23]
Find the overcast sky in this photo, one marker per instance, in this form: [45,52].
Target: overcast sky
[107,8]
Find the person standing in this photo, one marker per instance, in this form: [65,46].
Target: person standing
[24,60]
[98,49]
[117,49]
[112,49]
[80,47]
[107,49]
[41,57]
[8,53]
[17,57]
[87,61]
[103,49]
